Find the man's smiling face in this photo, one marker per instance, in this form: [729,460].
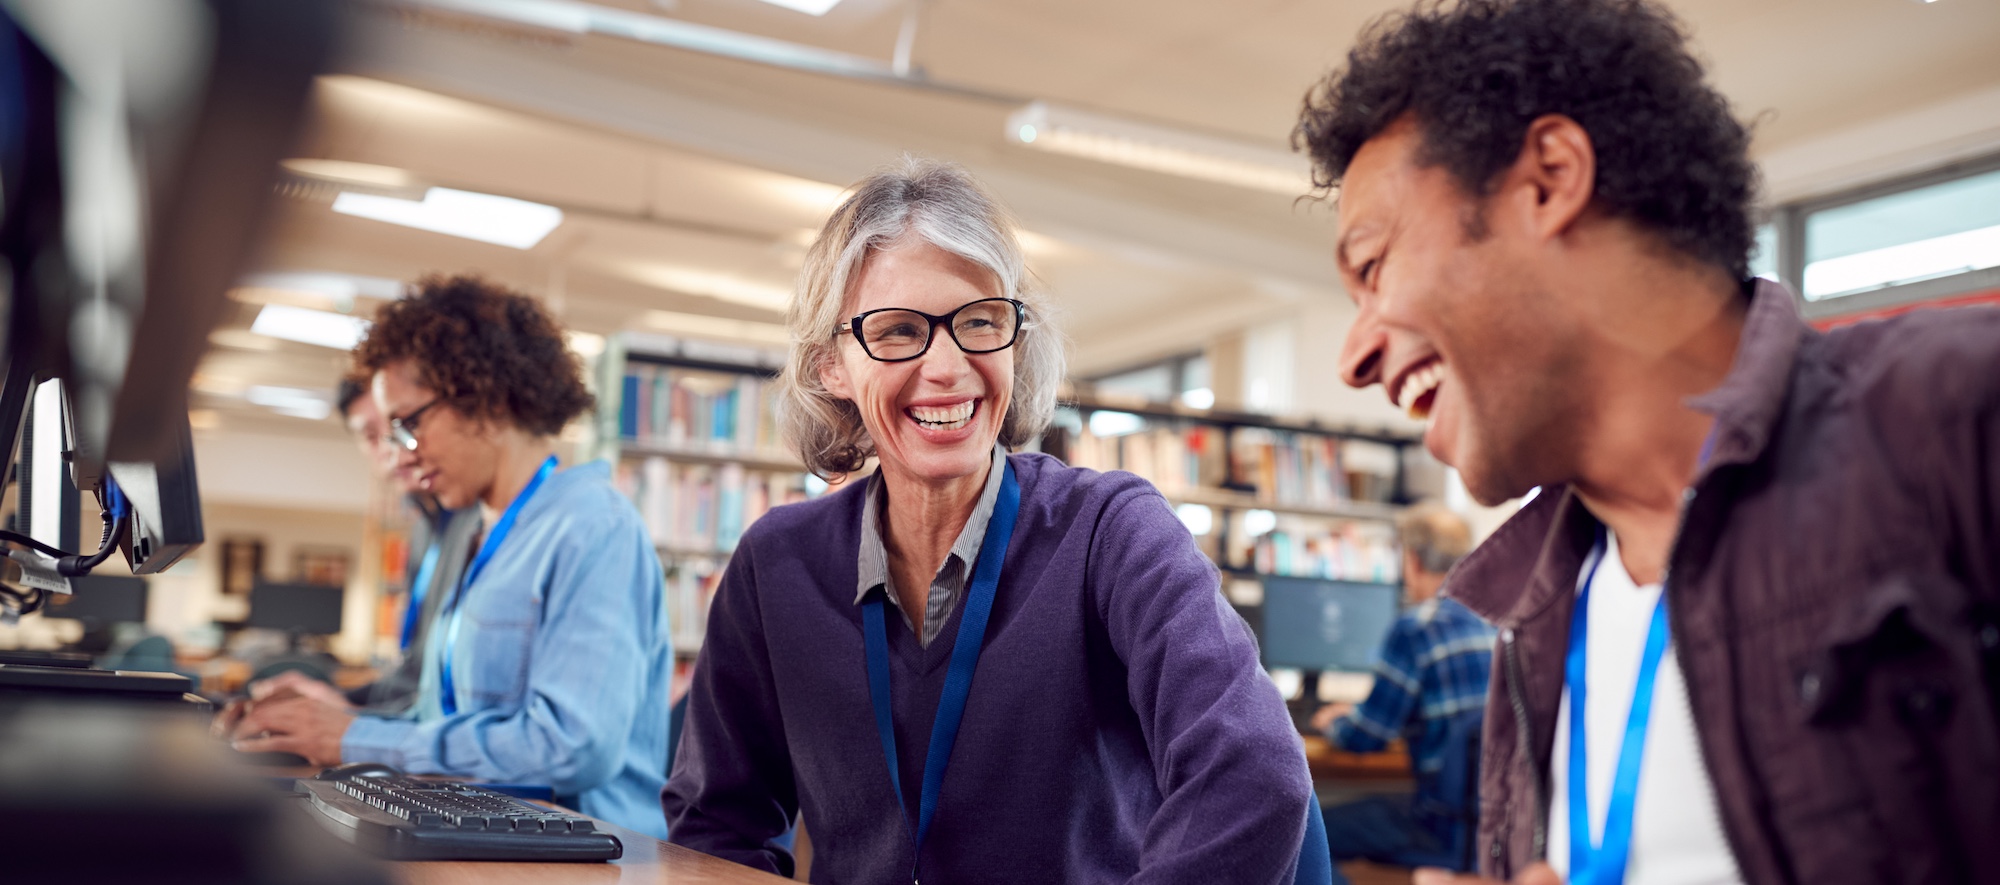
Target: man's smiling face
[1454,321]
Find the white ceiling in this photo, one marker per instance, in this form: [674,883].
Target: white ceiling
[691,183]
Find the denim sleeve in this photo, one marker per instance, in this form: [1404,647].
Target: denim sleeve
[598,629]
[1390,704]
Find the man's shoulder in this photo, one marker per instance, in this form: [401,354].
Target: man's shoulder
[1927,365]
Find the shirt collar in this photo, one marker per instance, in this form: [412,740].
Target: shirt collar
[874,554]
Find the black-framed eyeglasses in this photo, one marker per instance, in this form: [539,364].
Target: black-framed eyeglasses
[403,431]
[897,334]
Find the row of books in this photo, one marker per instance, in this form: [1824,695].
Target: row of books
[703,508]
[698,409]
[1282,466]
[691,582]
[1346,553]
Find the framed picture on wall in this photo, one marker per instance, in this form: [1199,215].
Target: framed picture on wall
[242,565]
[325,566]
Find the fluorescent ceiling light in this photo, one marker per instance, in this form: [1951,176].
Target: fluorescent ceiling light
[1907,263]
[809,7]
[503,221]
[1154,148]
[293,401]
[367,175]
[335,330]
[713,284]
[716,327]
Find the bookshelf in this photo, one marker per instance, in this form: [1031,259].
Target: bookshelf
[1263,496]
[693,435]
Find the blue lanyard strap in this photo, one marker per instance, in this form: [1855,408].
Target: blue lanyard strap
[1603,862]
[447,690]
[964,659]
[420,586]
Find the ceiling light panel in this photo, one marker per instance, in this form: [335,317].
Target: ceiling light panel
[318,327]
[503,221]
[293,401]
[1106,139]
[809,7]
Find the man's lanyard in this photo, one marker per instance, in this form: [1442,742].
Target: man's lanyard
[957,680]
[419,588]
[1603,861]
[446,690]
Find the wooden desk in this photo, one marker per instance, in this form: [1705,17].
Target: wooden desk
[1387,767]
[646,860]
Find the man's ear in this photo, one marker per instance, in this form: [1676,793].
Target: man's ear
[1556,174]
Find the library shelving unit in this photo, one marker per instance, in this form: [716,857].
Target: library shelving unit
[1263,496]
[696,448]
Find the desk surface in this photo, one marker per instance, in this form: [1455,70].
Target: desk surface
[1392,764]
[646,860]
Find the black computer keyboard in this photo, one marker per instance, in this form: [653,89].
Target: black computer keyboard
[404,819]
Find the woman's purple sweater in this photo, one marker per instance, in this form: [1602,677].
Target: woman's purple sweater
[1119,728]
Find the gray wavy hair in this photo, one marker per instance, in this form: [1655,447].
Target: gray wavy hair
[941,203]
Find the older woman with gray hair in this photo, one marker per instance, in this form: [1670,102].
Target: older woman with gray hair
[973,666]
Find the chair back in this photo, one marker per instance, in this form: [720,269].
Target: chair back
[1315,855]
[1447,802]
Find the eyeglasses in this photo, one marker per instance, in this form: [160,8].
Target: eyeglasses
[897,334]
[403,431]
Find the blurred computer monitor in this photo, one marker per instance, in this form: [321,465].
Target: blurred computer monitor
[1315,625]
[298,609]
[100,601]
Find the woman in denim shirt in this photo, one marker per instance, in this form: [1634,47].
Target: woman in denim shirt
[552,658]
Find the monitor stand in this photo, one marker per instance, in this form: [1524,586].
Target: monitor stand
[1307,703]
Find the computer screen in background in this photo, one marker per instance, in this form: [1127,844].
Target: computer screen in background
[298,609]
[100,601]
[1315,625]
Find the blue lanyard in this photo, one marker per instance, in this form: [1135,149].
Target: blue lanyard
[957,680]
[448,696]
[419,588]
[1603,861]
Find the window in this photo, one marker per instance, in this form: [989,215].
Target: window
[1921,238]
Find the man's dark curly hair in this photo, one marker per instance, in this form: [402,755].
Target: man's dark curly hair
[490,353]
[1474,73]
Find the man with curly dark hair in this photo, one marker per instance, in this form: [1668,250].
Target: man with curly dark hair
[1544,224]
[552,657]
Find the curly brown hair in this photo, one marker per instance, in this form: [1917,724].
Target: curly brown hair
[489,352]
[1475,73]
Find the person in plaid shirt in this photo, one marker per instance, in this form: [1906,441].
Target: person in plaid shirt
[1435,664]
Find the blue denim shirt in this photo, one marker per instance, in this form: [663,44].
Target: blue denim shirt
[563,663]
[1436,663]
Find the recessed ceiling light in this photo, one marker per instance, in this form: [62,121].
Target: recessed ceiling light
[809,7]
[1156,148]
[335,330]
[503,221]
[293,401]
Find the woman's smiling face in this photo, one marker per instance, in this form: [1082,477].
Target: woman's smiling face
[935,418]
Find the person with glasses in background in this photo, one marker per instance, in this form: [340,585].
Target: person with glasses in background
[971,666]
[444,536]
[551,659]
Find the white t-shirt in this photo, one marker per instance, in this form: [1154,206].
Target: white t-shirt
[1676,824]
